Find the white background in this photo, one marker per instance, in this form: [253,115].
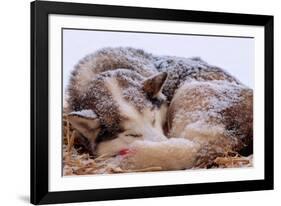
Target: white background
[14,104]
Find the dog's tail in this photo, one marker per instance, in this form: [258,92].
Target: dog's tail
[171,154]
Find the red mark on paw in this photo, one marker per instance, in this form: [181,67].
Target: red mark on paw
[124,152]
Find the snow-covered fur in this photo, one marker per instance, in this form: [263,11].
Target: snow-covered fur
[215,114]
[117,107]
[107,59]
[116,101]
[181,70]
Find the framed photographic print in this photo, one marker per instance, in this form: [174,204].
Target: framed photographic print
[133,102]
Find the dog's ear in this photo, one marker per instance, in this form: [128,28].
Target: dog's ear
[153,85]
[86,122]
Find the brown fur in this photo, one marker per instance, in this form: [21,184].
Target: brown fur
[217,128]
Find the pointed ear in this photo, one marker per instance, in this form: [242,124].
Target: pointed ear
[86,122]
[153,85]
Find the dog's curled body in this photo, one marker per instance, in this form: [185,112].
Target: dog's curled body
[205,110]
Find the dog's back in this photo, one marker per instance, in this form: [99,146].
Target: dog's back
[181,70]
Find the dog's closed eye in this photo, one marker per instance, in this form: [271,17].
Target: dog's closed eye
[134,135]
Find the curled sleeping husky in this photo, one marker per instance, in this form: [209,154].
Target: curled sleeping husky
[166,111]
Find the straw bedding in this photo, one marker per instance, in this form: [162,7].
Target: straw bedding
[77,161]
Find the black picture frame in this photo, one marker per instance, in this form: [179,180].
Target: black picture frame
[40,112]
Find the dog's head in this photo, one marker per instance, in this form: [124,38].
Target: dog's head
[120,107]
